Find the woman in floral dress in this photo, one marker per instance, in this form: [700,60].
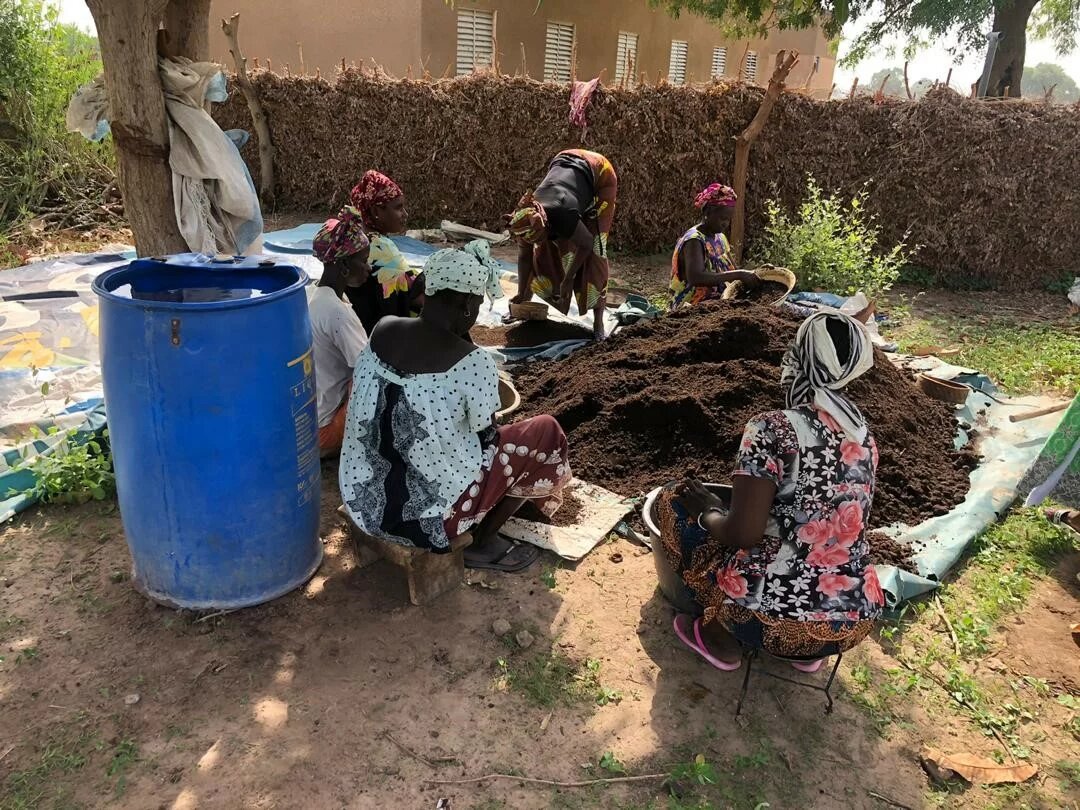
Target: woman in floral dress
[423,461]
[786,568]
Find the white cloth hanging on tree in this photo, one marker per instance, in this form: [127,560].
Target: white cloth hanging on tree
[217,208]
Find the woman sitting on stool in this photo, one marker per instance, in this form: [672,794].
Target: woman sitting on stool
[423,461]
[786,569]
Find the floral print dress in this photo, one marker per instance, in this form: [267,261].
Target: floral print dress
[809,583]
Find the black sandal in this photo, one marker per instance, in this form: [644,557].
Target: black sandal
[515,558]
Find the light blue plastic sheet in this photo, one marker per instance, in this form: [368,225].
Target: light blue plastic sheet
[1008,450]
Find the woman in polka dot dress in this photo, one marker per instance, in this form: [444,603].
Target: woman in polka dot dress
[422,461]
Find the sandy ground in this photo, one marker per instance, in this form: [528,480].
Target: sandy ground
[293,704]
[312,700]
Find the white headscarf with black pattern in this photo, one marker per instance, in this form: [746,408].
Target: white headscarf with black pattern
[813,374]
[470,270]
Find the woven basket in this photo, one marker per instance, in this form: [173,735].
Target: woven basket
[944,390]
[509,399]
[767,272]
[529,311]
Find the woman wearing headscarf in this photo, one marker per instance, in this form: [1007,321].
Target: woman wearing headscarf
[785,567]
[562,231]
[394,287]
[337,336]
[702,264]
[423,461]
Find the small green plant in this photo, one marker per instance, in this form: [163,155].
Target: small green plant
[699,770]
[125,755]
[1070,770]
[26,655]
[553,679]
[830,245]
[610,763]
[74,472]
[548,578]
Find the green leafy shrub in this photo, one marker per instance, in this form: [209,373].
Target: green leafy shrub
[830,245]
[74,472]
[42,63]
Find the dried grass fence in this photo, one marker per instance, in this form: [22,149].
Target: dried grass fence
[987,189]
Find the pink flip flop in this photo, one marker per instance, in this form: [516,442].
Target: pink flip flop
[809,667]
[697,644]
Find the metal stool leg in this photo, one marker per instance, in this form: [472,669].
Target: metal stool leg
[829,683]
[746,680]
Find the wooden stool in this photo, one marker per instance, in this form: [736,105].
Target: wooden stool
[429,575]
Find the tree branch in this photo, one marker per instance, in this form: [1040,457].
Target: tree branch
[231,29]
[785,61]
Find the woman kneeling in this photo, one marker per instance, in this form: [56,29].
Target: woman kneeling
[423,461]
[786,569]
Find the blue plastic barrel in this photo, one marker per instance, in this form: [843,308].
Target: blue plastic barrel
[210,399]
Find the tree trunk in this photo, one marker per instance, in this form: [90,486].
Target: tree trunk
[127,34]
[785,61]
[188,24]
[1008,68]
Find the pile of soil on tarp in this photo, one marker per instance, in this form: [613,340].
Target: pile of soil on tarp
[669,398]
[569,512]
[885,550]
[528,333]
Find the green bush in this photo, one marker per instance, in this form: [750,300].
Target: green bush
[74,472]
[830,245]
[42,63]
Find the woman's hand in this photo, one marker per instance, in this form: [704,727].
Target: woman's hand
[695,498]
[750,279]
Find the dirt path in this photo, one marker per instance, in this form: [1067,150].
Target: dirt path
[292,704]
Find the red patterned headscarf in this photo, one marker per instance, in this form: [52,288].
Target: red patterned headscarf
[341,237]
[716,194]
[374,188]
[528,223]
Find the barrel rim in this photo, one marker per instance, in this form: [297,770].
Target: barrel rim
[99,282]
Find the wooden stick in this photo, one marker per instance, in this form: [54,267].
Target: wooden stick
[231,29]
[550,783]
[431,763]
[907,87]
[952,633]
[786,60]
[948,78]
[1023,417]
[854,87]
[300,47]
[887,800]
[524,64]
[214,615]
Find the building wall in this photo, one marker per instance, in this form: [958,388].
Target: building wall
[387,31]
[399,34]
[598,24]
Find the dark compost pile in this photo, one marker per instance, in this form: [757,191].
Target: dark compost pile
[528,333]
[669,398]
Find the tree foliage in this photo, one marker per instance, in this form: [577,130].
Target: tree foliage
[1041,77]
[963,23]
[42,62]
[895,85]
